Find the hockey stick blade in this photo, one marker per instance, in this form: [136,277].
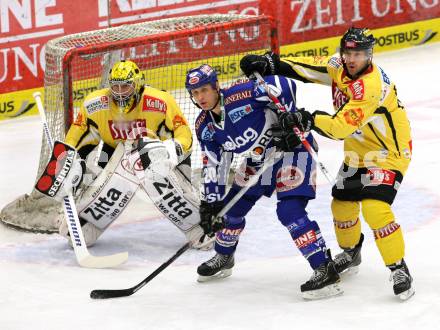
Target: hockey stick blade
[106,294]
[114,260]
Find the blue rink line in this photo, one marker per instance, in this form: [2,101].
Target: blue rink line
[154,241]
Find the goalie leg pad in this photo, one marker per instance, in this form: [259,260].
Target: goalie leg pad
[109,195]
[174,197]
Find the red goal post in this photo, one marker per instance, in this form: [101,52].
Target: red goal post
[164,50]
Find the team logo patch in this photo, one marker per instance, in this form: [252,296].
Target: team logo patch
[357,90]
[335,62]
[354,117]
[208,132]
[289,178]
[79,119]
[193,80]
[238,113]
[179,121]
[243,174]
[154,104]
[96,104]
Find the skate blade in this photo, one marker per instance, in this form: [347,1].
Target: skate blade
[220,275]
[407,294]
[326,292]
[350,271]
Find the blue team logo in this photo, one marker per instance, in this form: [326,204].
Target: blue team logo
[240,112]
[208,132]
[385,77]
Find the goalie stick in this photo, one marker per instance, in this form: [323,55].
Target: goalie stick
[84,258]
[105,294]
[300,134]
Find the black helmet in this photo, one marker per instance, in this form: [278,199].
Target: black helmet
[357,39]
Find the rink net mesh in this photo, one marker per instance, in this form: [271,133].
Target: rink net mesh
[164,50]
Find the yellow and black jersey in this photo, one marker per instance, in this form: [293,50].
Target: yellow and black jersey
[368,115]
[156,115]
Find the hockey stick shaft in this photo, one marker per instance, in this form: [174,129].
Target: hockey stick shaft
[84,258]
[300,134]
[105,294]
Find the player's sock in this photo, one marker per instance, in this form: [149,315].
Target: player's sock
[227,239]
[310,242]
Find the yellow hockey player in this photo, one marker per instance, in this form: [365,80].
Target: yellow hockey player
[129,110]
[377,144]
[127,115]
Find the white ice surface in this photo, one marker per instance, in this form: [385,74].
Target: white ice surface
[41,286]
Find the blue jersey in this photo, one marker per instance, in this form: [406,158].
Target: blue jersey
[243,127]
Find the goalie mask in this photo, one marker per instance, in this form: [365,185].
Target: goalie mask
[125,82]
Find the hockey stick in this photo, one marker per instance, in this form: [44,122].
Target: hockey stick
[105,294]
[298,133]
[84,258]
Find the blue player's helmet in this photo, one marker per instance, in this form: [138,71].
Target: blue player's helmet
[200,76]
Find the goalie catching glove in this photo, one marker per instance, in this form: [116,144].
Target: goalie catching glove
[159,156]
[63,173]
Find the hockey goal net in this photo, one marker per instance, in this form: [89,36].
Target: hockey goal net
[164,50]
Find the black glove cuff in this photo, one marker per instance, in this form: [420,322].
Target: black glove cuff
[273,61]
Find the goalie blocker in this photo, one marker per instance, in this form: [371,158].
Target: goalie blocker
[103,201]
[63,173]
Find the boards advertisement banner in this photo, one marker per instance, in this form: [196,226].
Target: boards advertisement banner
[305,27]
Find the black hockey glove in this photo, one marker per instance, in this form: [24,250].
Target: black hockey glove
[302,119]
[267,64]
[208,217]
[284,140]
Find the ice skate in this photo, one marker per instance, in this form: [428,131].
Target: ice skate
[401,280]
[323,283]
[219,266]
[349,260]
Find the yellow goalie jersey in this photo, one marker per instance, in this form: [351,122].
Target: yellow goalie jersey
[368,115]
[156,113]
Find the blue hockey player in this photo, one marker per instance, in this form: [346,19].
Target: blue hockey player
[242,119]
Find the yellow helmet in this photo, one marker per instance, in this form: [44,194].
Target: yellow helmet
[125,82]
